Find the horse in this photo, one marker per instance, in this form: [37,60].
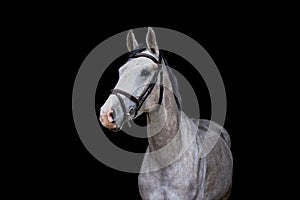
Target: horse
[186,158]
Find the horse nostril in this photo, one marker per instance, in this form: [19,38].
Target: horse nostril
[110,116]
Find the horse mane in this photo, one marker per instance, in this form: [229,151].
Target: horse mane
[175,87]
[174,82]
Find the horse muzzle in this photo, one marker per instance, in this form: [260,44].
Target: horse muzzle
[107,120]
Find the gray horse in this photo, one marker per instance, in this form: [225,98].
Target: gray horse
[186,158]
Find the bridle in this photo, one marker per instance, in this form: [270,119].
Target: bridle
[132,113]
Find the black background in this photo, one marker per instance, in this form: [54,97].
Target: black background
[62,167]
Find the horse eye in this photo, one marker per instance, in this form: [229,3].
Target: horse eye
[145,73]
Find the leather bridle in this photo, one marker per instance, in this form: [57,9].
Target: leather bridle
[147,91]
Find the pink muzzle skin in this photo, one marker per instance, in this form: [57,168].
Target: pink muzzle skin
[107,120]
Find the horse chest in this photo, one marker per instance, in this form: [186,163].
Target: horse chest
[176,181]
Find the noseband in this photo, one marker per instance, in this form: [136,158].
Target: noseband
[141,99]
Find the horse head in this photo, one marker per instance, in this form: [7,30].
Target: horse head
[136,91]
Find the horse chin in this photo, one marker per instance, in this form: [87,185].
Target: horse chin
[117,129]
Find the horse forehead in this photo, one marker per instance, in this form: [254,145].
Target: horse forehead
[135,63]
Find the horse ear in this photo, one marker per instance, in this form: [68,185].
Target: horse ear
[151,41]
[131,41]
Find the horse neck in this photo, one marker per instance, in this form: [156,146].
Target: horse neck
[163,123]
